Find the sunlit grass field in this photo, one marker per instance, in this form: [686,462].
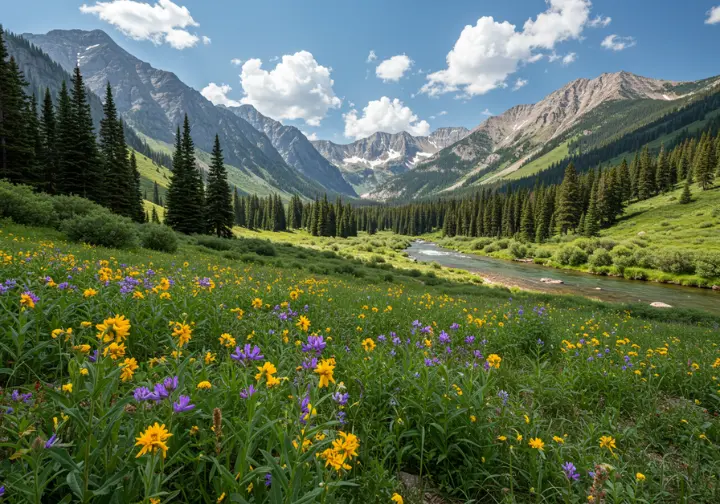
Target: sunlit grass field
[247,371]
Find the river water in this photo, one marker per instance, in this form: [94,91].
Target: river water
[604,288]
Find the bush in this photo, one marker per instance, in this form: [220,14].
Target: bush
[214,243]
[481,243]
[708,265]
[518,250]
[676,261]
[23,206]
[158,237]
[600,257]
[69,207]
[622,256]
[543,253]
[571,255]
[102,228]
[493,247]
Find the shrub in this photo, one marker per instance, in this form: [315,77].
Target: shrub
[493,247]
[158,237]
[69,207]
[518,250]
[543,253]
[600,257]
[708,265]
[571,255]
[102,228]
[481,243]
[387,277]
[214,243]
[261,247]
[622,256]
[23,206]
[676,261]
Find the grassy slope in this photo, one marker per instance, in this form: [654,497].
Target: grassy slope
[543,162]
[245,181]
[664,221]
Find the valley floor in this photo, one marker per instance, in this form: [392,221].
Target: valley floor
[248,371]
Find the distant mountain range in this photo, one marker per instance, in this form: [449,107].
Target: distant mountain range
[369,162]
[265,156]
[601,109]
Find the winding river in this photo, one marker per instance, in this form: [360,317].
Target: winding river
[604,288]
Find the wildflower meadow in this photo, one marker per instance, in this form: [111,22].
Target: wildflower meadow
[138,376]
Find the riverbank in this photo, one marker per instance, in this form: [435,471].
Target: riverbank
[636,259]
[537,278]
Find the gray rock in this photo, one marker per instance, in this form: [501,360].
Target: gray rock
[660,304]
[551,281]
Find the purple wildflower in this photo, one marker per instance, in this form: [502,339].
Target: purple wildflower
[314,344]
[454,326]
[32,296]
[249,353]
[570,471]
[93,357]
[470,340]
[268,479]
[247,392]
[310,363]
[340,398]
[170,383]
[142,394]
[504,396]
[51,442]
[444,337]
[341,417]
[183,404]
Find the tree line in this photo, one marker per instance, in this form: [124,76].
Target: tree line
[581,203]
[55,149]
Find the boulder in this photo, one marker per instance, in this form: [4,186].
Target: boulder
[551,281]
[716,287]
[659,304]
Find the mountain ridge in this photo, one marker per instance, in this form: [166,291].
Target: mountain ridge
[502,144]
[154,102]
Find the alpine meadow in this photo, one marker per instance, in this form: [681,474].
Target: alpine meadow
[272,295]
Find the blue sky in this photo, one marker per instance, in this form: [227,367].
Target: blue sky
[324,84]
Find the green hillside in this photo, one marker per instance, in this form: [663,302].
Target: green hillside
[663,221]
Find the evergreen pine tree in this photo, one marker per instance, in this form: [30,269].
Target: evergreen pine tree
[155,218]
[592,224]
[85,176]
[15,142]
[686,196]
[569,204]
[137,205]
[220,217]
[663,176]
[48,158]
[527,222]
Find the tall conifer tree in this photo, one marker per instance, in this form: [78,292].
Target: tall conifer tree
[219,209]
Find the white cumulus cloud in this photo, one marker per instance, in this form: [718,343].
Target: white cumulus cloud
[310,136]
[713,16]
[617,43]
[519,84]
[394,68]
[442,113]
[217,94]
[236,61]
[371,57]
[569,58]
[389,116]
[206,40]
[164,21]
[599,21]
[487,112]
[487,53]
[297,88]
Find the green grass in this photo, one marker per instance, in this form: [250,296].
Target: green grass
[663,221]
[542,163]
[601,370]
